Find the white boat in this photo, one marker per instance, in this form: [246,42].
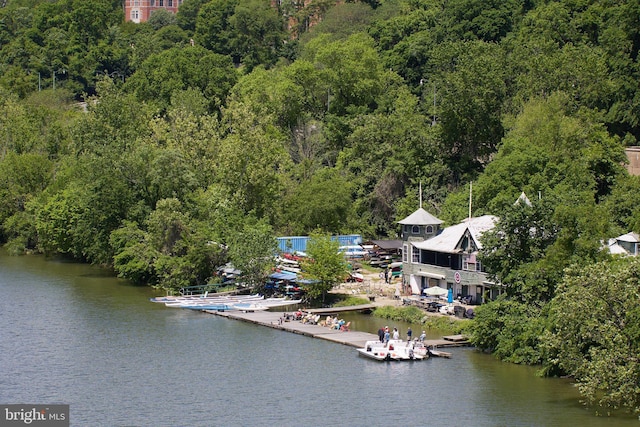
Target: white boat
[249,307]
[179,301]
[279,302]
[205,297]
[394,350]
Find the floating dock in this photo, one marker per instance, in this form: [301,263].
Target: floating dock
[356,339]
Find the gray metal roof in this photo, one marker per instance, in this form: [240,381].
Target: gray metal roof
[421,217]
[448,240]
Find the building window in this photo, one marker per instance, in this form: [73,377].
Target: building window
[429,229]
[152,3]
[415,229]
[415,255]
[136,2]
[161,3]
[170,3]
[405,252]
[135,15]
[470,262]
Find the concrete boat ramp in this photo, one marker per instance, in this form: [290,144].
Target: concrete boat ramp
[276,320]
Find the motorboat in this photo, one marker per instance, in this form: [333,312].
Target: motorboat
[394,350]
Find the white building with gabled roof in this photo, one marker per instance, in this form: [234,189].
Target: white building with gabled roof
[445,257]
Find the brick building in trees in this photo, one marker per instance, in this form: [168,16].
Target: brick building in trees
[139,10]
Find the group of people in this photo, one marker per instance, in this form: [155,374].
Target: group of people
[333,322]
[384,334]
[387,275]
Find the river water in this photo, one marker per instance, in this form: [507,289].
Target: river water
[71,334]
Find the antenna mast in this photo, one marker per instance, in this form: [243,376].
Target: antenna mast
[420,194]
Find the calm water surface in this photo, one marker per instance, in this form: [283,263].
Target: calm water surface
[71,334]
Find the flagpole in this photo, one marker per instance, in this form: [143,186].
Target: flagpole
[470,197]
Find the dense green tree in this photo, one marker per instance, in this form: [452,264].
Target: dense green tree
[486,20]
[170,251]
[548,151]
[352,68]
[213,29]
[471,89]
[325,266]
[259,33]
[389,150]
[250,161]
[22,178]
[512,251]
[252,250]
[160,18]
[623,209]
[188,13]
[322,203]
[511,330]
[596,331]
[179,69]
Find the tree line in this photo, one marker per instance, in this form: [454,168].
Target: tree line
[168,148]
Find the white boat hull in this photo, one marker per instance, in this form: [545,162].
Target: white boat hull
[397,350]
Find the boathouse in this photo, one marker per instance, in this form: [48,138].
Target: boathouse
[445,257]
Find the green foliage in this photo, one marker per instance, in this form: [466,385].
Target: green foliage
[179,69]
[170,251]
[512,251]
[509,329]
[350,301]
[405,314]
[416,316]
[161,18]
[325,266]
[322,203]
[251,32]
[596,326]
[252,251]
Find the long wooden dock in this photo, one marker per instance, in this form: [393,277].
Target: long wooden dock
[352,338]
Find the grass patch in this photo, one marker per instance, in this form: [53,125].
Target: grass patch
[416,316]
[350,300]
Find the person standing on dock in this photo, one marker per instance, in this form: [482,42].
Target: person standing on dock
[396,334]
[386,336]
[423,336]
[409,333]
[381,333]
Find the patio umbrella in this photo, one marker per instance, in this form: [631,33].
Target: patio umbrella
[435,291]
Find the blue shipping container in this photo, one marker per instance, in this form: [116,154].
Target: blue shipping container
[292,244]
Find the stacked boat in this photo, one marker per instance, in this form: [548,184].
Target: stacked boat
[223,303]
